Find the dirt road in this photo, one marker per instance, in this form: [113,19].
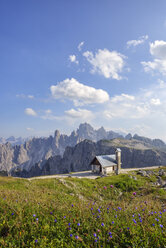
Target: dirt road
[89,174]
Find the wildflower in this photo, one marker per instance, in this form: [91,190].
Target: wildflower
[134,221]
[91,208]
[156,219]
[128,228]
[105,187]
[110,233]
[94,235]
[71,235]
[12,213]
[64,217]
[134,193]
[119,208]
[69,224]
[95,240]
[107,208]
[37,219]
[76,237]
[153,224]
[98,210]
[51,213]
[72,205]
[113,222]
[55,220]
[34,215]
[111,186]
[36,240]
[161,226]
[102,224]
[115,216]
[78,224]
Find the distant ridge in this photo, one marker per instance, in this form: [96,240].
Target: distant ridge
[37,151]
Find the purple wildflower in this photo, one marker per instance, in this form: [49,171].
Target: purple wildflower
[71,235]
[161,226]
[102,224]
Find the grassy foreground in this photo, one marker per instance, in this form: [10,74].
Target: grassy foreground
[115,211]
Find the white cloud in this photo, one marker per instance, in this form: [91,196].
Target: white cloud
[134,43]
[79,113]
[48,111]
[155,101]
[77,92]
[122,97]
[107,63]
[25,96]
[29,129]
[73,59]
[146,105]
[158,51]
[80,45]
[30,96]
[30,111]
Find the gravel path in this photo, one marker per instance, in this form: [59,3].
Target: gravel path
[89,174]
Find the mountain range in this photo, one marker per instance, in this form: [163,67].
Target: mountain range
[62,153]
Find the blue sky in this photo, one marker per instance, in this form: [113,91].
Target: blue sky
[67,62]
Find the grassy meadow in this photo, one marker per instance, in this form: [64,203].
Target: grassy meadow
[115,211]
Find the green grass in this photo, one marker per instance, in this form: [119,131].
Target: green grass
[46,213]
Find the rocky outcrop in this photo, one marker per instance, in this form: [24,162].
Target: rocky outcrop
[36,153]
[38,150]
[78,158]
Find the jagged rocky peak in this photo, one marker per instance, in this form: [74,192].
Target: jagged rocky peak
[128,136]
[57,134]
[85,131]
[101,133]
[11,139]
